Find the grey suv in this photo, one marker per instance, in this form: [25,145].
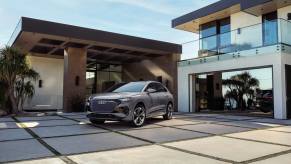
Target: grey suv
[132,102]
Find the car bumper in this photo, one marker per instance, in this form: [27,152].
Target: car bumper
[119,113]
[107,116]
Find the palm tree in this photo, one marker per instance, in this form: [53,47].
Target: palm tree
[16,73]
[244,85]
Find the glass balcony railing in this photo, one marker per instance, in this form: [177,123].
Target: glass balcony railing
[257,39]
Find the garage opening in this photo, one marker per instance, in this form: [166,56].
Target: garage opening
[245,92]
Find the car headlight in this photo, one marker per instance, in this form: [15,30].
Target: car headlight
[125,99]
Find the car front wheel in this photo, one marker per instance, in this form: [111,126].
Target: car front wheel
[139,116]
[169,112]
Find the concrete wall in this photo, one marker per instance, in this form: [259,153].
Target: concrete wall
[275,60]
[282,12]
[50,96]
[165,66]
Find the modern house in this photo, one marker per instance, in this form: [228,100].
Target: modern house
[237,35]
[74,61]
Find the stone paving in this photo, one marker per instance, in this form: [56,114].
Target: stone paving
[188,138]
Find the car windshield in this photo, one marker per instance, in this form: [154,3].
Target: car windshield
[131,87]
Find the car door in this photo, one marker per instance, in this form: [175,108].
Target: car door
[153,97]
[163,96]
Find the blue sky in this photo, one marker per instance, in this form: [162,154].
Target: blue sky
[143,18]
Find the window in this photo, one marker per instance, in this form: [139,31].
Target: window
[160,88]
[157,87]
[224,31]
[215,34]
[151,86]
[270,28]
[208,34]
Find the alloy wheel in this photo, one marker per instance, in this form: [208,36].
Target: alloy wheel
[139,116]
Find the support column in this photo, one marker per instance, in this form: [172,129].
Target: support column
[279,89]
[74,76]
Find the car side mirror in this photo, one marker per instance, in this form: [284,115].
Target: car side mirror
[151,90]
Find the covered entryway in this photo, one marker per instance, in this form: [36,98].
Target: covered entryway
[75,61]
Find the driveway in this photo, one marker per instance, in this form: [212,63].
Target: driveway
[188,138]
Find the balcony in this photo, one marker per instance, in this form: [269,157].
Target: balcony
[258,39]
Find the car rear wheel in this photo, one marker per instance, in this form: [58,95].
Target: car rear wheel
[169,112]
[139,116]
[95,121]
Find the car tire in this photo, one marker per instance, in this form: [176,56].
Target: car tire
[95,121]
[138,116]
[169,112]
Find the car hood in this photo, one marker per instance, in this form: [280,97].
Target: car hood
[113,95]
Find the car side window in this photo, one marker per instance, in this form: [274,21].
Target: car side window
[160,88]
[151,86]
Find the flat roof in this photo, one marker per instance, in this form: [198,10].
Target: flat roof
[51,38]
[205,11]
[224,8]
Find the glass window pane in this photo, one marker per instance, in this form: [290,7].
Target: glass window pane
[102,78]
[208,29]
[209,43]
[115,76]
[224,25]
[270,28]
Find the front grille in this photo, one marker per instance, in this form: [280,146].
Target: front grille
[103,106]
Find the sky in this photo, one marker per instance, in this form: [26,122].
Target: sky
[143,18]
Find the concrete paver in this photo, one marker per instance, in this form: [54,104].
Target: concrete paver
[14,134]
[176,122]
[265,136]
[214,129]
[282,129]
[282,159]
[147,154]
[21,150]
[32,124]
[6,119]
[115,125]
[273,121]
[228,148]
[207,119]
[237,118]
[42,161]
[165,134]
[92,142]
[66,130]
[5,125]
[250,124]
[39,118]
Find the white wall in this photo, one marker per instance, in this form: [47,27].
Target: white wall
[285,26]
[50,96]
[274,60]
[282,12]
[251,29]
